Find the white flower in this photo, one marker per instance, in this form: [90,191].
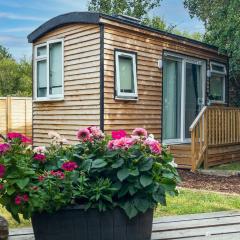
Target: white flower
[151,136]
[40,149]
[173,164]
[54,135]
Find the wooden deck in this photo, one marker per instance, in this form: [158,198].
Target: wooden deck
[213,226]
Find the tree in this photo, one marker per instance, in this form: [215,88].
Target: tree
[4,53]
[15,77]
[134,8]
[222,23]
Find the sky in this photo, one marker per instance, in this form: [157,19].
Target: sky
[18,18]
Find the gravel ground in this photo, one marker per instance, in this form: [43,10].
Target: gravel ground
[211,183]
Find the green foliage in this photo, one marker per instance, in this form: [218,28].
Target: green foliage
[91,174]
[15,77]
[134,8]
[222,21]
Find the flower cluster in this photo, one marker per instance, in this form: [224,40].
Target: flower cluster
[90,134]
[154,145]
[57,138]
[14,135]
[40,157]
[4,147]
[69,166]
[19,199]
[58,174]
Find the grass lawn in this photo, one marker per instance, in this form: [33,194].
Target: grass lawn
[189,201]
[229,166]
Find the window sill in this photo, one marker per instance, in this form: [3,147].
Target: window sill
[49,100]
[217,102]
[126,98]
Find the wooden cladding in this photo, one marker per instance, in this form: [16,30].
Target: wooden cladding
[216,131]
[147,110]
[81,105]
[16,115]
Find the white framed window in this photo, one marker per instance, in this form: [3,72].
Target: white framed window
[126,75]
[49,71]
[217,83]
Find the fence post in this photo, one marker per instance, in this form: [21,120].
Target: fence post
[9,114]
[206,139]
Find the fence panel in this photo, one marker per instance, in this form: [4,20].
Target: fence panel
[16,115]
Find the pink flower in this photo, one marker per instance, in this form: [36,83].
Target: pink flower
[40,149]
[2,170]
[41,178]
[25,198]
[154,146]
[4,148]
[1,186]
[119,134]
[25,139]
[84,135]
[141,132]
[57,174]
[122,143]
[15,135]
[69,166]
[40,157]
[18,200]
[96,132]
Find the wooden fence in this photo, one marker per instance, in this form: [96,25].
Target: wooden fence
[16,115]
[215,136]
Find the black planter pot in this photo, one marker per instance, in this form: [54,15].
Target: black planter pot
[77,224]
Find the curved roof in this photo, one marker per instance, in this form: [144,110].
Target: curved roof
[64,19]
[95,18]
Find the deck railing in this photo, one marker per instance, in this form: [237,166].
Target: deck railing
[214,126]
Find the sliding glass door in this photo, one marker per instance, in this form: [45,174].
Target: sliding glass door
[172,71]
[183,95]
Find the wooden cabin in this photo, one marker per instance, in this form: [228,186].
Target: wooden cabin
[114,72]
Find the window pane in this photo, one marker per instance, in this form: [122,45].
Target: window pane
[55,68]
[41,51]
[126,74]
[172,77]
[42,78]
[218,68]
[216,87]
[194,96]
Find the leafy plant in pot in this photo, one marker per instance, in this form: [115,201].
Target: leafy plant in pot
[101,188]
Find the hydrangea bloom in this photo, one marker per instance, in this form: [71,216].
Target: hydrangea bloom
[154,145]
[4,148]
[84,134]
[141,132]
[122,143]
[119,134]
[69,166]
[2,170]
[96,132]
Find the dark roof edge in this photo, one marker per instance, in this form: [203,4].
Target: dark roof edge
[94,18]
[162,32]
[61,20]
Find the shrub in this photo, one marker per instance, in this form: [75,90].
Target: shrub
[131,172]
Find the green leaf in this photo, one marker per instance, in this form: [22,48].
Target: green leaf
[118,163]
[160,196]
[146,165]
[122,174]
[141,204]
[99,163]
[134,172]
[145,180]
[11,190]
[22,183]
[86,165]
[130,209]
